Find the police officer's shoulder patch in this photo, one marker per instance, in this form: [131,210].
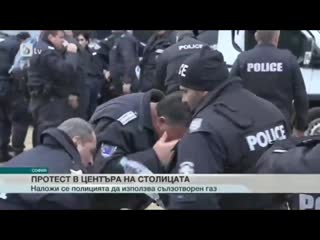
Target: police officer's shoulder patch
[107,150]
[186,168]
[195,125]
[127,117]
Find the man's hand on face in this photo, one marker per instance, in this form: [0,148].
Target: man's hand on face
[164,149]
[72,48]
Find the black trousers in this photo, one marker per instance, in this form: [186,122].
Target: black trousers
[21,120]
[5,127]
[49,113]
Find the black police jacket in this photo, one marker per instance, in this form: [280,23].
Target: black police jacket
[91,65]
[209,37]
[228,134]
[124,58]
[154,48]
[169,62]
[294,156]
[274,75]
[124,129]
[57,153]
[9,47]
[51,72]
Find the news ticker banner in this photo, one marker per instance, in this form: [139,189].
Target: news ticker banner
[30,181]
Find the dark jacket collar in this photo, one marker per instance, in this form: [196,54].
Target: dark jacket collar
[57,138]
[265,45]
[144,107]
[228,85]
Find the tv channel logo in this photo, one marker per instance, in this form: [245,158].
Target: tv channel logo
[26,50]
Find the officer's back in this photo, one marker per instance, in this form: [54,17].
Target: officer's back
[230,130]
[58,153]
[169,61]
[123,60]
[274,75]
[209,37]
[294,156]
[156,44]
[8,49]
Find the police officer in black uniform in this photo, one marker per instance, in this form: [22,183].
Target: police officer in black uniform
[8,49]
[168,63]
[64,150]
[274,75]
[52,83]
[20,116]
[209,37]
[156,44]
[131,126]
[93,71]
[294,156]
[231,128]
[123,60]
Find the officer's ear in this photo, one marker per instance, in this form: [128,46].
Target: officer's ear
[162,120]
[76,140]
[205,93]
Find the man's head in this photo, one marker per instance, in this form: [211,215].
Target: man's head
[171,115]
[183,33]
[55,37]
[83,136]
[201,73]
[23,36]
[268,37]
[83,39]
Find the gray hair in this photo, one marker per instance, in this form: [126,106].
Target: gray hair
[266,36]
[74,127]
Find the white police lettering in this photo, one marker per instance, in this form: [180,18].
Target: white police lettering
[265,67]
[263,138]
[182,70]
[186,168]
[190,46]
[307,202]
[195,125]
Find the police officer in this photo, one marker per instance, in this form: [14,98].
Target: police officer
[209,37]
[143,127]
[231,128]
[156,44]
[51,81]
[80,77]
[63,150]
[8,49]
[93,71]
[20,116]
[293,156]
[274,75]
[123,60]
[168,63]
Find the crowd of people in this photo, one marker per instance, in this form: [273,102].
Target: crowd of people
[170,104]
